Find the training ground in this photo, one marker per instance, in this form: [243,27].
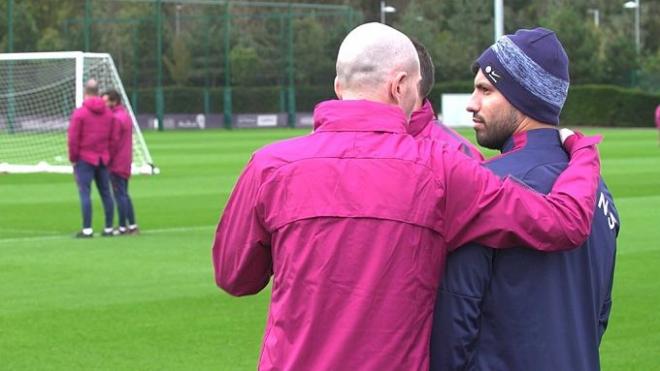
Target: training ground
[149,302]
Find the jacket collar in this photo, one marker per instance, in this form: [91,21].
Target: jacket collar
[421,118]
[358,115]
[118,108]
[537,139]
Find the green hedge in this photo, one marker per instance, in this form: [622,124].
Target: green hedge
[177,99]
[589,105]
[244,99]
[308,97]
[255,99]
[606,105]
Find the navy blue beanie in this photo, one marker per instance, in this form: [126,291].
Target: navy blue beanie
[530,68]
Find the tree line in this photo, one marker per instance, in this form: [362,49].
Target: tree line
[267,46]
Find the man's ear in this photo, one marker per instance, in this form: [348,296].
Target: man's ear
[337,88]
[397,87]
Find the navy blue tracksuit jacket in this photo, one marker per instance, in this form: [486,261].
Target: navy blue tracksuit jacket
[519,309]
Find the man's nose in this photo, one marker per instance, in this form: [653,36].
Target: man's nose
[473,103]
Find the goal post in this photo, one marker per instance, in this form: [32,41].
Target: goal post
[38,93]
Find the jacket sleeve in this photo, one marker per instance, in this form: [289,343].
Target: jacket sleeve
[73,137]
[604,317]
[475,153]
[606,307]
[482,208]
[241,250]
[457,314]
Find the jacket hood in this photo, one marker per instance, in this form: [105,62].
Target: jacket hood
[95,104]
[118,108]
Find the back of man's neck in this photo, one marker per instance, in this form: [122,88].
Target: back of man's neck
[528,124]
[365,95]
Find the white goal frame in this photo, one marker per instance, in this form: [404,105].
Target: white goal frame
[147,168]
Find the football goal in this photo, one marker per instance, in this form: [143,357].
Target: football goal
[38,93]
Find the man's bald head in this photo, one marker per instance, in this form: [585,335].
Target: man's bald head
[372,51]
[91,88]
[371,59]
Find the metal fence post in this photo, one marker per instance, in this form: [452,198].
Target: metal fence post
[349,19]
[87,24]
[10,26]
[11,105]
[159,66]
[227,89]
[284,61]
[134,93]
[291,101]
[207,80]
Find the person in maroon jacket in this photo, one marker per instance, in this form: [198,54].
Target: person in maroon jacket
[121,154]
[423,123]
[90,133]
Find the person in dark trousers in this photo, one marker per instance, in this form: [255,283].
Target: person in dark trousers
[121,151]
[423,122]
[90,132]
[520,309]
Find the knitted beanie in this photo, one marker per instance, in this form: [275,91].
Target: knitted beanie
[530,68]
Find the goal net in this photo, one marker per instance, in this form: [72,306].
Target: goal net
[38,93]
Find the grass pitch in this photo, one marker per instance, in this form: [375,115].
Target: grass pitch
[149,302]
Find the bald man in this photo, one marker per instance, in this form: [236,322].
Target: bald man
[354,220]
[90,132]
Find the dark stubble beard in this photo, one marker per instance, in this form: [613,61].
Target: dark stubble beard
[498,130]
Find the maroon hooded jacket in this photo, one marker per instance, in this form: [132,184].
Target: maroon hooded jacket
[121,149]
[90,132]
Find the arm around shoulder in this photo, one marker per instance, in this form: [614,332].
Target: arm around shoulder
[507,213]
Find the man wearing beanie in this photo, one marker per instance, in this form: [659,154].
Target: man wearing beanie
[519,309]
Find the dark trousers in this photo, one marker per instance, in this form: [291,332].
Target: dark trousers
[123,200]
[85,173]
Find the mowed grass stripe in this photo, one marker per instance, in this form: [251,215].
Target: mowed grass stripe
[108,272]
[16,240]
[186,333]
[64,217]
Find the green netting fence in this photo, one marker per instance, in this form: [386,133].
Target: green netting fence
[211,56]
